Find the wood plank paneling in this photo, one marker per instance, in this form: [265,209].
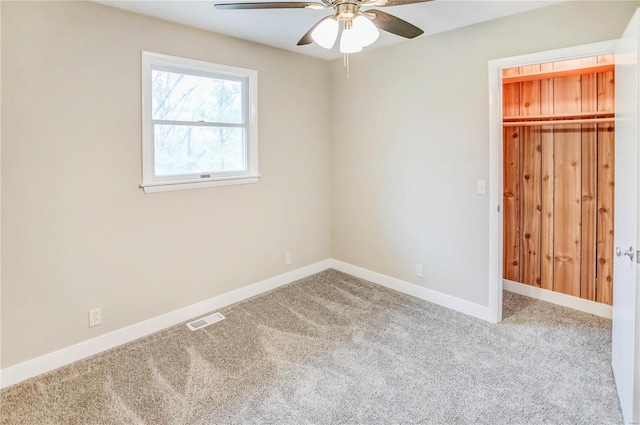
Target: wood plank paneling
[589,187]
[604,248]
[558,178]
[606,92]
[570,63]
[606,58]
[547,183]
[511,171]
[567,189]
[530,170]
[530,205]
[511,214]
[606,176]
[509,72]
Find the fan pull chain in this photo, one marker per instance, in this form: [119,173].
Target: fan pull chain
[345,60]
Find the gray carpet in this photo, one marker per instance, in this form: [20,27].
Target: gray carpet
[334,349]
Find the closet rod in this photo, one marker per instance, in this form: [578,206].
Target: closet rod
[549,117]
[558,122]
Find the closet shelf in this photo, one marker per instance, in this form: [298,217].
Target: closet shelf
[558,73]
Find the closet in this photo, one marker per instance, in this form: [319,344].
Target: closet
[558,176]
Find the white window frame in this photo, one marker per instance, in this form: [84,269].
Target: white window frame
[152,183]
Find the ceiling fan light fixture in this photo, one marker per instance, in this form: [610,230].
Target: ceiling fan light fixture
[350,41]
[366,31]
[326,33]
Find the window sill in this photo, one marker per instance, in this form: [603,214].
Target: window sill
[187,185]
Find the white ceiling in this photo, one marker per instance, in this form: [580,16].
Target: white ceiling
[284,27]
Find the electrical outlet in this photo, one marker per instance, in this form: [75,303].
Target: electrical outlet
[95,317]
[287,259]
[419,271]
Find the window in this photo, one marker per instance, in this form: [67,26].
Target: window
[199,124]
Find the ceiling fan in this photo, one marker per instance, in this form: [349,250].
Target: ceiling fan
[360,26]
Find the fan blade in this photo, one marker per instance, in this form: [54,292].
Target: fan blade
[386,3]
[394,25]
[306,39]
[272,5]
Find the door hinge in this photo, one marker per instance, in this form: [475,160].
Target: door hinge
[638,257]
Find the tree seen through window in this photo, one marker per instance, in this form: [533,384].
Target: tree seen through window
[194,118]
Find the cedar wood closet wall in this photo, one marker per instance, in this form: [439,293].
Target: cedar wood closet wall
[558,178]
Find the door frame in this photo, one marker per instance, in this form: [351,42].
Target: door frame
[495,153]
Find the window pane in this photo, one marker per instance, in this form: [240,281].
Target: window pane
[182,97]
[181,149]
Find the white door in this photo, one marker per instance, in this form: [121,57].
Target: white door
[624,358]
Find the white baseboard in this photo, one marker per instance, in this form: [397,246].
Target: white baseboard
[45,363]
[564,300]
[448,301]
[48,362]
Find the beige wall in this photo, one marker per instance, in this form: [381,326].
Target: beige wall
[409,140]
[412,139]
[79,233]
